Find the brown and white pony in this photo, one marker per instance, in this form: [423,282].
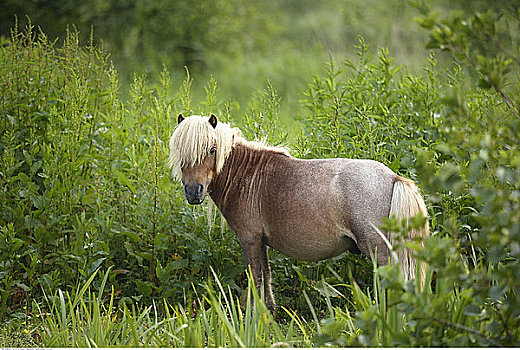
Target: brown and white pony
[306,209]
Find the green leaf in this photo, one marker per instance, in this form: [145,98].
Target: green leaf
[496,254]
[134,237]
[496,292]
[123,180]
[144,287]
[472,310]
[492,327]
[177,264]
[36,200]
[93,267]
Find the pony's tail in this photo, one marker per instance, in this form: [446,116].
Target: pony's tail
[407,202]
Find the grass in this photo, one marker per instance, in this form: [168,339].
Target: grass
[17,338]
[82,318]
[216,319]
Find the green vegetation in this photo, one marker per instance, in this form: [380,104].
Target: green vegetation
[213,320]
[97,244]
[242,44]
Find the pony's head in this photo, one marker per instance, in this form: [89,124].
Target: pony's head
[198,148]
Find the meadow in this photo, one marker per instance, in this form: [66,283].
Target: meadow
[99,248]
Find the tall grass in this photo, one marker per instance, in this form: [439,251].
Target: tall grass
[392,313]
[84,318]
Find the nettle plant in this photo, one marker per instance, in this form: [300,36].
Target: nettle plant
[51,145]
[367,109]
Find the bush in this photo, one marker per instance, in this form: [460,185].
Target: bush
[84,187]
[462,147]
[84,180]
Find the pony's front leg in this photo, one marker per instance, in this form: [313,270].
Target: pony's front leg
[266,270]
[254,252]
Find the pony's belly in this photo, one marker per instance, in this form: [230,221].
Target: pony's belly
[314,246]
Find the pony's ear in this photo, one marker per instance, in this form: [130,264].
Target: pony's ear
[180,118]
[213,120]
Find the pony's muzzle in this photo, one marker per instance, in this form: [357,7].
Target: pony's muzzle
[194,193]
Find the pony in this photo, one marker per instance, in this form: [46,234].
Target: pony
[307,209]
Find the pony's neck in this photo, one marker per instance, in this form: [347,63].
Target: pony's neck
[241,177]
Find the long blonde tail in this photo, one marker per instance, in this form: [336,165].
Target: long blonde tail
[407,202]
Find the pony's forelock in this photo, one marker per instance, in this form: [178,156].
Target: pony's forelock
[193,139]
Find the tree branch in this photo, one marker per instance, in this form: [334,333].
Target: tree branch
[509,101]
[466,329]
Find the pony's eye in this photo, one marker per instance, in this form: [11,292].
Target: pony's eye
[212,151]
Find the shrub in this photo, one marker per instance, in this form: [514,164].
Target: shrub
[469,170]
[84,180]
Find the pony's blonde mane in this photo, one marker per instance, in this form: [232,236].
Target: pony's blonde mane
[194,137]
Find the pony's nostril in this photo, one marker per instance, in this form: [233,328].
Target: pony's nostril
[195,191]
